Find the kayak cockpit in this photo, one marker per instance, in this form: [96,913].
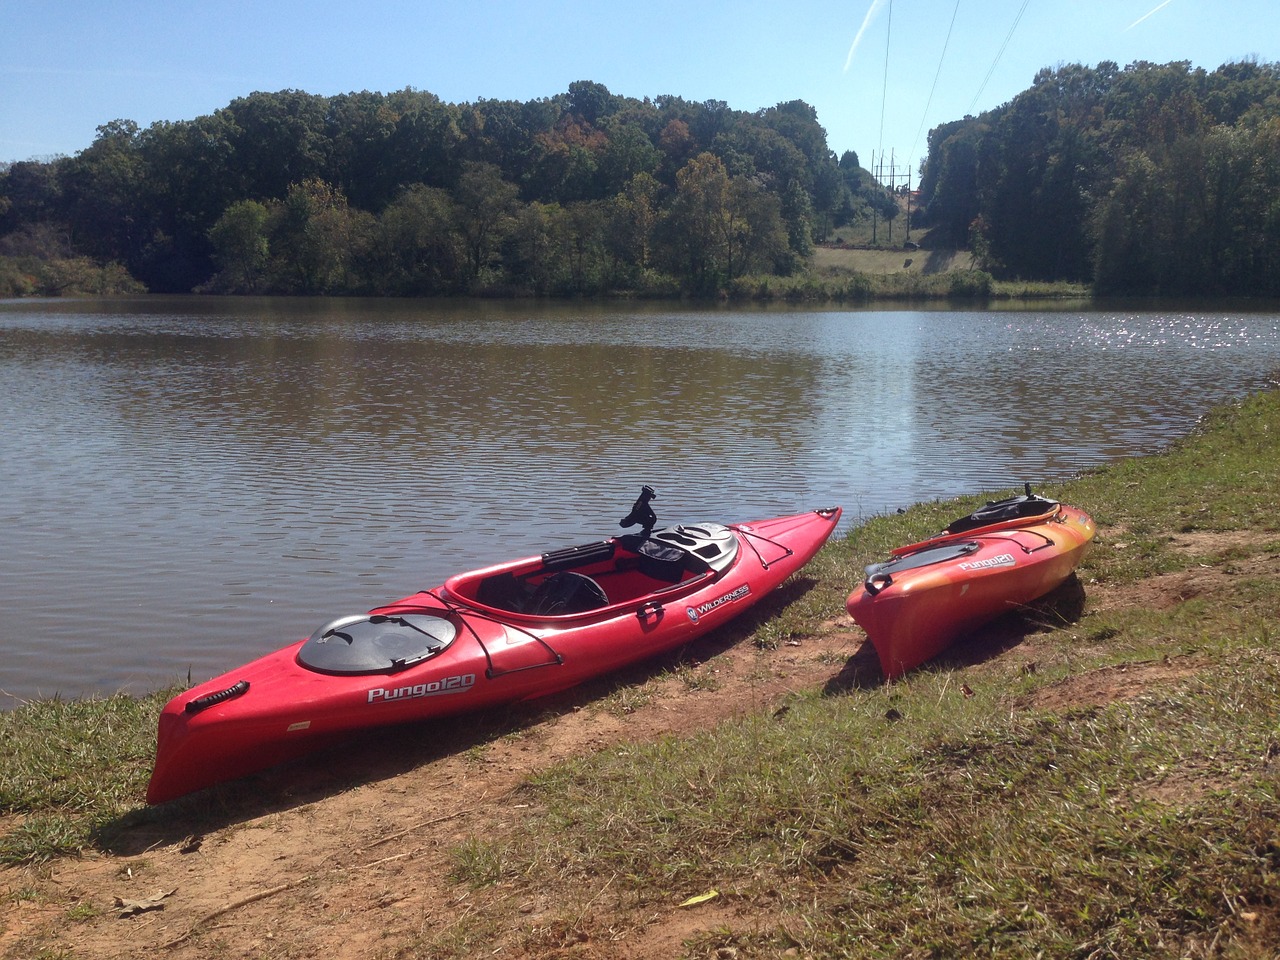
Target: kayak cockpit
[596,577]
[1007,514]
[1012,511]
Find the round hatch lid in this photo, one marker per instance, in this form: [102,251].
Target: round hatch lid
[375,643]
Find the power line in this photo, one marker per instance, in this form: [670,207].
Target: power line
[925,116]
[1000,53]
[884,86]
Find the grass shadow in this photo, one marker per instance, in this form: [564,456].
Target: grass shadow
[1061,606]
[860,672]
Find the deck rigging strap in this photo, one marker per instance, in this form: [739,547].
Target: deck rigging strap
[462,612]
[751,535]
[1009,536]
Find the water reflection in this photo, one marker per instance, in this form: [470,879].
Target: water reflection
[190,482]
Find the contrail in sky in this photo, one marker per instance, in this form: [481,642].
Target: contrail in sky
[1126,29]
[866,22]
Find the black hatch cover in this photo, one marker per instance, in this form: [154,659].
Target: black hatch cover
[375,643]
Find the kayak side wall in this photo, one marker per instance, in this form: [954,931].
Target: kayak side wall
[927,609]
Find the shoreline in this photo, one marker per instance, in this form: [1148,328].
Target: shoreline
[1095,770]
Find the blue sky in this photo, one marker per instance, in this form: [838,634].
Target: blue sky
[880,73]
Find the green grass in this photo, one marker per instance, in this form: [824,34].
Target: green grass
[951,813]
[858,286]
[914,820]
[864,273]
[70,767]
[956,829]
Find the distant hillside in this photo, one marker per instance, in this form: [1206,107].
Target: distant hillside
[1151,179]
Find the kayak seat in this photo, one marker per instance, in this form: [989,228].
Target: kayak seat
[503,591]
[1001,511]
[565,593]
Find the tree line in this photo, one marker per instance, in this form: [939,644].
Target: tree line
[1152,179]
[404,194]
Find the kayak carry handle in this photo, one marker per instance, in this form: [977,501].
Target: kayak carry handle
[213,699]
[877,582]
[651,608]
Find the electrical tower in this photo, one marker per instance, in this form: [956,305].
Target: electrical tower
[896,175]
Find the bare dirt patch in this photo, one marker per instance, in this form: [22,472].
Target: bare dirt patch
[1227,557]
[1110,684]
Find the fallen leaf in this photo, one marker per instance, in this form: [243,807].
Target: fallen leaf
[130,908]
[701,898]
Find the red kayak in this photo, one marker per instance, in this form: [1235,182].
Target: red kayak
[916,604]
[515,631]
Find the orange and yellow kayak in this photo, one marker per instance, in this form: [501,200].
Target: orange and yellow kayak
[928,594]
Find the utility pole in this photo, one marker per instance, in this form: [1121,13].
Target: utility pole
[893,196]
[908,203]
[875,211]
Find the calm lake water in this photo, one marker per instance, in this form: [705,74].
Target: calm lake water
[188,483]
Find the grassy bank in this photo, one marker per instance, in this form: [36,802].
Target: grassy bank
[980,808]
[1099,778]
[68,768]
[852,287]
[865,275]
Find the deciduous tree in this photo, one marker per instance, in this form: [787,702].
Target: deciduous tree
[240,247]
